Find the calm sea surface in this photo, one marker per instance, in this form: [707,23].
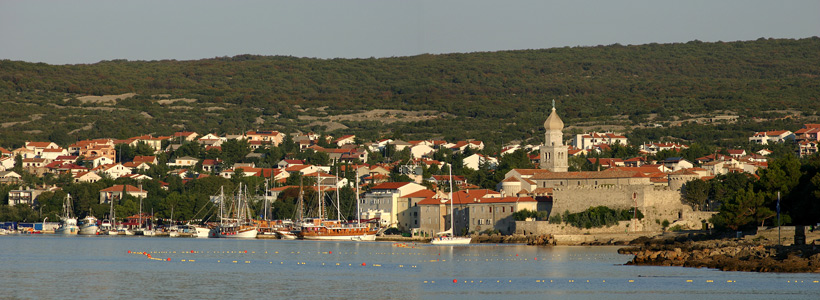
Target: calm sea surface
[48,266]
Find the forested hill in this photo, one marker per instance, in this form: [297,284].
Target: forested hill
[497,97]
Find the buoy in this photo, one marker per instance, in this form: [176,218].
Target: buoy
[455,280]
[192,251]
[364,264]
[169,259]
[129,251]
[330,252]
[535,258]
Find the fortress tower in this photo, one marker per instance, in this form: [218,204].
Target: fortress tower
[553,151]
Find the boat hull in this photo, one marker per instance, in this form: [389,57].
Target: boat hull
[203,232]
[366,237]
[67,230]
[451,241]
[237,232]
[89,230]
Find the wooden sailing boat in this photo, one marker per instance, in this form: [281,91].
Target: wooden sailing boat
[241,226]
[447,237]
[321,229]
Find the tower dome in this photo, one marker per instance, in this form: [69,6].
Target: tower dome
[553,122]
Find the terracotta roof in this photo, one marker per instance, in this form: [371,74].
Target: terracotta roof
[38,144]
[586,175]
[282,188]
[505,200]
[423,193]
[530,171]
[118,188]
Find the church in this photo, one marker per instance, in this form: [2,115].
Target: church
[578,191]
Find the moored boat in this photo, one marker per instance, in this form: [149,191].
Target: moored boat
[241,226]
[88,226]
[68,224]
[447,237]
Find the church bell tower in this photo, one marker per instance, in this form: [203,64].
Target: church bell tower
[553,151]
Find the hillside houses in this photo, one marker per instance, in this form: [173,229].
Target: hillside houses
[592,140]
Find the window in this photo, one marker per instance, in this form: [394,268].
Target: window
[511,209]
[482,209]
[503,209]
[491,209]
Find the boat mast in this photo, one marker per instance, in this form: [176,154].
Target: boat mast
[321,195]
[338,207]
[265,206]
[451,202]
[301,200]
[221,204]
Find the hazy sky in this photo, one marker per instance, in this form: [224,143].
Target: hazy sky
[67,32]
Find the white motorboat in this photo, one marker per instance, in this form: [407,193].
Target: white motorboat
[88,226]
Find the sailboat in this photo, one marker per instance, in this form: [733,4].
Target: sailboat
[241,226]
[107,226]
[321,229]
[143,230]
[446,237]
[68,225]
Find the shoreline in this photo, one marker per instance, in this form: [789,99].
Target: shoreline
[725,254]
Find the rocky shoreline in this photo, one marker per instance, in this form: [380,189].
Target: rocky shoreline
[700,251]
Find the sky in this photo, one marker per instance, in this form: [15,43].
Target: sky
[78,31]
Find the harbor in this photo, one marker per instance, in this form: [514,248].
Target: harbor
[175,268]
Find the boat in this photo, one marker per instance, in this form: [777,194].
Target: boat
[107,227]
[88,226]
[241,225]
[143,229]
[122,230]
[321,229]
[68,224]
[447,237]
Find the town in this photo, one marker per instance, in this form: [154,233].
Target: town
[544,189]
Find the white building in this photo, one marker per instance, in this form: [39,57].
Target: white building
[382,201]
[588,141]
[775,136]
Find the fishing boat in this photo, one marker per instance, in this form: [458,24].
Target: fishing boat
[88,225]
[321,229]
[240,225]
[68,224]
[447,237]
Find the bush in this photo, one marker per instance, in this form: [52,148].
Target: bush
[523,214]
[599,216]
[556,219]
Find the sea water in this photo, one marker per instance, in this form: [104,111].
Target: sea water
[96,267]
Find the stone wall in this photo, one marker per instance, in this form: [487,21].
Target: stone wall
[544,227]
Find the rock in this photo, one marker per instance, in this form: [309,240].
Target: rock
[726,255]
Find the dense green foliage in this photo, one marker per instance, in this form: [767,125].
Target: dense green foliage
[744,200]
[524,214]
[497,97]
[600,216]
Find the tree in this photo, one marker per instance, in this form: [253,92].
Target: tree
[696,193]
[746,209]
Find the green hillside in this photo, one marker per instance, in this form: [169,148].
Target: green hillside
[497,97]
